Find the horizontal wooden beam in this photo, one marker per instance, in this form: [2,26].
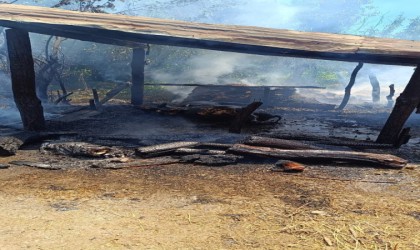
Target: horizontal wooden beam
[228,86]
[130,31]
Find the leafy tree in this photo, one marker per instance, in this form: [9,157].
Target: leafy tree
[94,6]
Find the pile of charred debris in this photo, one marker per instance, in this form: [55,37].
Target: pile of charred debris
[194,132]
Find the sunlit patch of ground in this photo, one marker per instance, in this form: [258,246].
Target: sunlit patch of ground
[191,207]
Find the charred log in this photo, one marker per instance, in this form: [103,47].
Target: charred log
[357,158]
[10,144]
[81,149]
[113,92]
[190,151]
[98,104]
[277,143]
[333,141]
[242,116]
[162,149]
[35,165]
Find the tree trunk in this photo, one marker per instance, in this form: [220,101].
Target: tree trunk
[347,92]
[404,107]
[376,88]
[137,69]
[23,80]
[390,96]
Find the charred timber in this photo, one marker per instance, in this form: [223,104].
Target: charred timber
[333,141]
[277,143]
[242,116]
[10,144]
[404,106]
[163,149]
[377,160]
[23,80]
[131,31]
[113,92]
[200,151]
[231,85]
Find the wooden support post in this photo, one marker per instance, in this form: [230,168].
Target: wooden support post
[404,107]
[240,118]
[23,79]
[98,104]
[137,71]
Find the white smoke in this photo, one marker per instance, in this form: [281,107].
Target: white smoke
[9,115]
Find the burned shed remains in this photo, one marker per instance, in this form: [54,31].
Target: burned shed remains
[135,32]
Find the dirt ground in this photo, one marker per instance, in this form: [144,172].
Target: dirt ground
[184,206]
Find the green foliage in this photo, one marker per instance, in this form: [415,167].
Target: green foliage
[78,76]
[94,6]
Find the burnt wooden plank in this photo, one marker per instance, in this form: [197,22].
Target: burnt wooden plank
[129,31]
[277,143]
[23,80]
[232,85]
[382,160]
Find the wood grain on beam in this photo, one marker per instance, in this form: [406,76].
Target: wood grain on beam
[128,31]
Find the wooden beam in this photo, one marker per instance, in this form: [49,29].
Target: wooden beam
[404,107]
[232,85]
[137,74]
[23,79]
[129,30]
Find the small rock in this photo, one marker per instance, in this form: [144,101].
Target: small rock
[288,166]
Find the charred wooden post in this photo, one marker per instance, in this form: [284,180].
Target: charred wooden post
[376,89]
[241,117]
[137,71]
[98,104]
[404,107]
[23,79]
[347,92]
[390,96]
[113,92]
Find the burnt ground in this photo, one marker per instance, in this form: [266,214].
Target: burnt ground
[162,204]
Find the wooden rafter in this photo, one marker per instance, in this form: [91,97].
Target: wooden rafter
[129,31]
